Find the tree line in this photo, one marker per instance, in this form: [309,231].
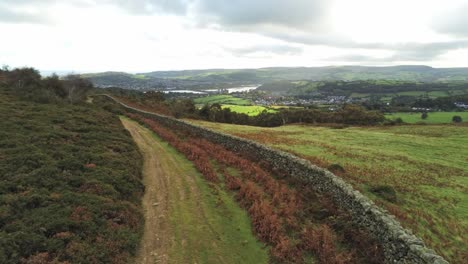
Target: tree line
[29,84]
[349,114]
[346,88]
[442,103]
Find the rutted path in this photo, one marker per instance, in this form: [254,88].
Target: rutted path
[156,241]
[185,220]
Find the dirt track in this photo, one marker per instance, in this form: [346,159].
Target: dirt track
[185,220]
[156,238]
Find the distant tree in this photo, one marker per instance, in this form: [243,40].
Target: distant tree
[424,115]
[204,112]
[457,119]
[155,96]
[24,80]
[54,84]
[216,113]
[76,88]
[3,77]
[357,115]
[182,108]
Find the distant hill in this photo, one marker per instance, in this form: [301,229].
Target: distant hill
[365,88]
[406,73]
[202,79]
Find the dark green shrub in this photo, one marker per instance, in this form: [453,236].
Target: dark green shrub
[457,119]
[386,192]
[336,168]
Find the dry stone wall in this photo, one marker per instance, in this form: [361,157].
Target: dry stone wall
[399,244]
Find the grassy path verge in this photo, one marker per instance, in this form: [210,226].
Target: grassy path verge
[187,221]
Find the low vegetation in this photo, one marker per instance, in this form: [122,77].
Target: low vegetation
[156,102]
[234,104]
[299,225]
[70,187]
[366,88]
[193,220]
[28,84]
[222,99]
[418,173]
[250,110]
[431,118]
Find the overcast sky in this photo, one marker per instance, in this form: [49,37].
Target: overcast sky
[147,35]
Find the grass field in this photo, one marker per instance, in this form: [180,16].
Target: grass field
[236,104]
[386,97]
[222,99]
[426,166]
[251,110]
[432,117]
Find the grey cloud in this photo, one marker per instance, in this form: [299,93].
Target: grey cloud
[406,52]
[248,13]
[273,49]
[18,17]
[11,11]
[454,22]
[178,7]
[14,11]
[299,22]
[426,51]
[308,39]
[352,58]
[236,14]
[403,51]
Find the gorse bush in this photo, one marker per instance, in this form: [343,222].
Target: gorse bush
[70,186]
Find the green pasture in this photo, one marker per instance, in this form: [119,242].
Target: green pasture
[251,110]
[432,117]
[426,166]
[222,99]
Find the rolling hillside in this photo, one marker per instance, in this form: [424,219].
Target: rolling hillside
[204,79]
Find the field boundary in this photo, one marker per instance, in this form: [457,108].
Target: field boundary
[399,244]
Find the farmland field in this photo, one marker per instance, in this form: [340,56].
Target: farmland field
[432,117]
[418,173]
[236,104]
[222,99]
[251,110]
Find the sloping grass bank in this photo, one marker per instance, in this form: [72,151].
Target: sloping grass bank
[418,173]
